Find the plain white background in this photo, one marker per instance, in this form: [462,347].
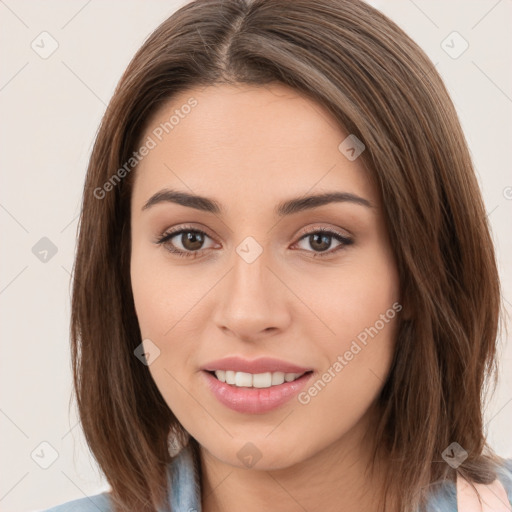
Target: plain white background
[50,109]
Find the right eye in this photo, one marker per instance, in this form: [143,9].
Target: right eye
[191,241]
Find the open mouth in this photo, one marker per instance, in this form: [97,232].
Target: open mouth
[258,380]
[249,393]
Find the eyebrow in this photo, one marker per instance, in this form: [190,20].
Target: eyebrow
[288,207]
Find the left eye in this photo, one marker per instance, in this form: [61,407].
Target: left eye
[321,240]
[192,241]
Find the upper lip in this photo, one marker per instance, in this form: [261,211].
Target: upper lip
[260,365]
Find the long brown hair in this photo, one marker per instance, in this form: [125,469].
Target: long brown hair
[381,87]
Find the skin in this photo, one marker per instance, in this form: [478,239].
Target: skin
[250,148]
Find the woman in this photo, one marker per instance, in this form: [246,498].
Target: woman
[285,291]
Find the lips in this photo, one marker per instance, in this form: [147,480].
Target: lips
[259,398]
[254,400]
[260,365]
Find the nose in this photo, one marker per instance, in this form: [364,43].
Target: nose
[251,301]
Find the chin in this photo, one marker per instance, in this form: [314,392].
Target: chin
[260,453]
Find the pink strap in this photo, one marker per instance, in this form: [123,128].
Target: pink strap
[493,496]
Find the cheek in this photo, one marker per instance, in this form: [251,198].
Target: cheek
[169,303]
[161,299]
[354,301]
[361,310]
[356,366]
[161,294]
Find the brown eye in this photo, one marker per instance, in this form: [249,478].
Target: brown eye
[184,242]
[321,240]
[192,240]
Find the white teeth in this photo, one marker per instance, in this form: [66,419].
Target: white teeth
[221,375]
[262,380]
[258,380]
[243,380]
[277,378]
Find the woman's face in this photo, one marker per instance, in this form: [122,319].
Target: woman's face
[254,277]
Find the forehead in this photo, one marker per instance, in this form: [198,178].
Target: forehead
[246,142]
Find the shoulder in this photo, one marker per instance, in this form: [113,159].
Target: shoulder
[96,503]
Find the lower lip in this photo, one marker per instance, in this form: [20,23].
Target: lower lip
[255,400]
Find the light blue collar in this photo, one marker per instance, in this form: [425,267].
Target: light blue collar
[184,482]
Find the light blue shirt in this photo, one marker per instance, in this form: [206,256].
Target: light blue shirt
[185,495]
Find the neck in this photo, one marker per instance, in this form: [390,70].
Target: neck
[335,479]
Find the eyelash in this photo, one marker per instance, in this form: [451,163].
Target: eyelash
[167,236]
